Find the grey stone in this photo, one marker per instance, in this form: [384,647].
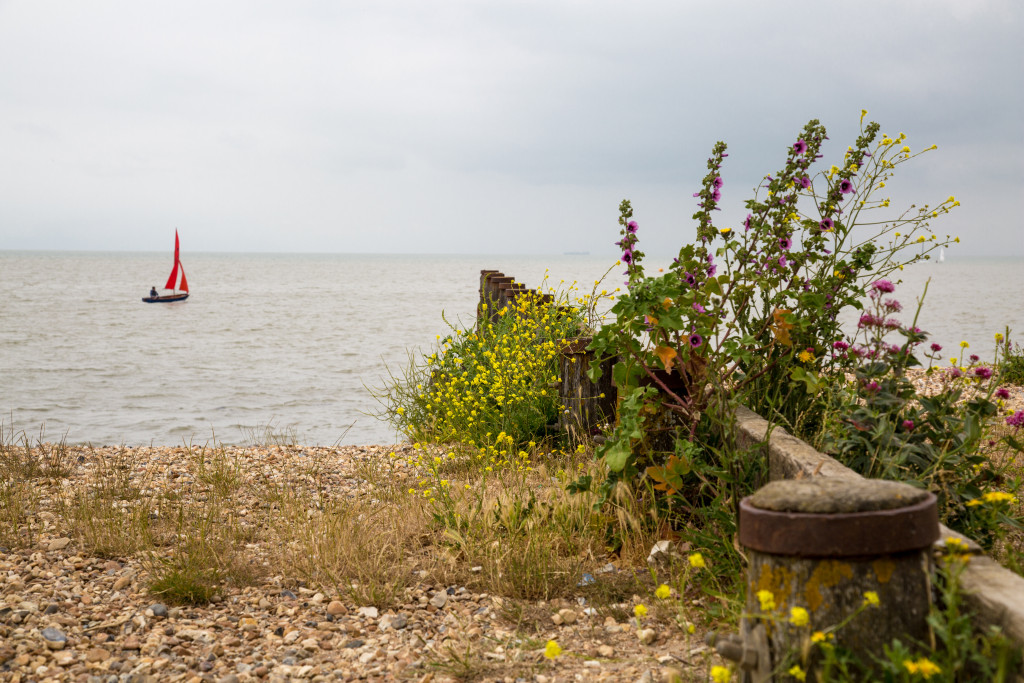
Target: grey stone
[827,496]
[158,609]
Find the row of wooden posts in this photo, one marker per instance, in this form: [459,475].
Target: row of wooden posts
[587,405]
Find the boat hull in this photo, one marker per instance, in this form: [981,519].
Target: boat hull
[165,299]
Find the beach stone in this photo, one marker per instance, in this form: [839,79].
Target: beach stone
[131,643]
[439,599]
[289,595]
[392,621]
[158,609]
[58,544]
[568,616]
[606,651]
[647,635]
[336,608]
[55,638]
[96,654]
[122,582]
[368,612]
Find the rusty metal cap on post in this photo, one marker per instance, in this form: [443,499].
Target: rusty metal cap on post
[826,517]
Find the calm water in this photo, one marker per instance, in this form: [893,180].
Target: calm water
[292,341]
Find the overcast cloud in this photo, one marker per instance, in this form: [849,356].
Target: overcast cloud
[490,126]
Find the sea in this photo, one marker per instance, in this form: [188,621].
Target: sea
[291,347]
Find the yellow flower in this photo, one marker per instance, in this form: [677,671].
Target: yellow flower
[905,149]
[921,238]
[663,592]
[999,338]
[551,650]
[964,345]
[910,666]
[951,198]
[819,637]
[927,668]
[696,561]
[863,113]
[640,611]
[725,231]
[767,600]
[805,356]
[871,598]
[720,674]
[798,616]
[798,673]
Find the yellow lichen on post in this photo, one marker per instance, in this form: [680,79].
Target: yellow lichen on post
[828,574]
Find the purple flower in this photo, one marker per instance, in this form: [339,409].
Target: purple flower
[840,345]
[782,261]
[690,279]
[883,286]
[804,182]
[632,226]
[846,186]
[800,147]
[717,182]
[936,347]
[716,195]
[974,358]
[627,256]
[700,309]
[696,340]
[785,243]
[983,372]
[893,306]
[871,386]
[746,223]
[1016,420]
[908,424]
[1003,393]
[826,224]
[712,269]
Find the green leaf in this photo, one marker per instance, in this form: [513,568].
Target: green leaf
[618,455]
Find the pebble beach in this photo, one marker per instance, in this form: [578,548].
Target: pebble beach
[67,614]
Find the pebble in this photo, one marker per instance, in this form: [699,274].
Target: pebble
[55,638]
[336,608]
[368,612]
[439,599]
[58,544]
[158,609]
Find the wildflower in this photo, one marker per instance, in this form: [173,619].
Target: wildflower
[840,345]
[640,611]
[871,599]
[663,592]
[696,340]
[923,666]
[631,227]
[785,243]
[1016,420]
[725,231]
[804,182]
[717,182]
[1003,393]
[746,223]
[552,650]
[999,338]
[696,561]
[964,345]
[720,674]
[798,673]
[820,637]
[908,425]
[846,186]
[826,225]
[936,347]
[993,497]
[983,372]
[798,616]
[627,256]
[800,147]
[885,286]
[805,356]
[766,599]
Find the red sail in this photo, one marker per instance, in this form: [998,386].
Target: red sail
[184,282]
[174,271]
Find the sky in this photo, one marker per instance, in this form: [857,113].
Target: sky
[482,126]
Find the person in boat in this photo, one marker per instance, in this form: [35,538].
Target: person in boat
[152,292]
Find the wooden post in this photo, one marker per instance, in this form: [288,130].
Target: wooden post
[830,547]
[587,404]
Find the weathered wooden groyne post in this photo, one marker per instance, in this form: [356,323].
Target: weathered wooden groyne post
[587,404]
[826,553]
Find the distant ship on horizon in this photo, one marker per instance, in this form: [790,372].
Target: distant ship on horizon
[576,253]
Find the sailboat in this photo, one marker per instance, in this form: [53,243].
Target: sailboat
[172,281]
